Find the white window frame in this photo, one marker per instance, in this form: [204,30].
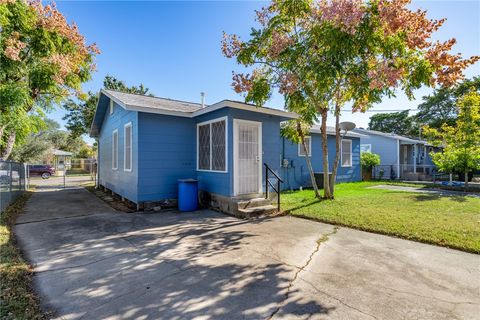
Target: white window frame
[341,150]
[114,165]
[366,144]
[209,122]
[129,124]
[300,147]
[111,106]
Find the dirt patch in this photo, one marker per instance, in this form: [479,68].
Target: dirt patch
[113,201]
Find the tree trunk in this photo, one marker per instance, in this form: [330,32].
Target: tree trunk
[2,129]
[5,153]
[326,182]
[466,179]
[309,163]
[337,152]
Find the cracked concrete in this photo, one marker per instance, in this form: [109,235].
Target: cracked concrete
[92,262]
[319,241]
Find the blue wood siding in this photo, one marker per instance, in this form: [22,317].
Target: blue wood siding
[222,183]
[271,148]
[119,181]
[296,175]
[215,182]
[386,148]
[166,152]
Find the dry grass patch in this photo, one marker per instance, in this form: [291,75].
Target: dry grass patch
[17,299]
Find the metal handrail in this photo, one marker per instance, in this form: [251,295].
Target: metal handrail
[268,182]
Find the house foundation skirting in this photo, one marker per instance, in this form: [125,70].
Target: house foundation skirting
[217,202]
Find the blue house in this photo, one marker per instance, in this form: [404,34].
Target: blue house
[294,167]
[401,157]
[146,144]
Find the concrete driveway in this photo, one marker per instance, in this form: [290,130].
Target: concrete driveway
[92,262]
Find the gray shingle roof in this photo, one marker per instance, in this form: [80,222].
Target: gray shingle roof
[331,131]
[389,135]
[136,100]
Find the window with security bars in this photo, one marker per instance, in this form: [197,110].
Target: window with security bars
[212,146]
[204,147]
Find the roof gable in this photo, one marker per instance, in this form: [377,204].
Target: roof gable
[148,104]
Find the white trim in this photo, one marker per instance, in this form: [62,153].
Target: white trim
[111,106]
[235,154]
[114,165]
[129,124]
[309,147]
[226,143]
[341,154]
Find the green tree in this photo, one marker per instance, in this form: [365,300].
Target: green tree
[461,141]
[80,112]
[43,59]
[441,106]
[37,145]
[323,55]
[395,122]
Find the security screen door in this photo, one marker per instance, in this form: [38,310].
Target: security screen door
[247,156]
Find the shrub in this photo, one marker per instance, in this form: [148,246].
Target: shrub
[369,160]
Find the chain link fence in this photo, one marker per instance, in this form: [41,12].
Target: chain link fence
[407,172]
[64,174]
[13,182]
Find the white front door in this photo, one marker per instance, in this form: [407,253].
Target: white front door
[247,154]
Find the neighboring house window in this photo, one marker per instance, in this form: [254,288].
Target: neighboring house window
[111,106]
[346,153]
[212,145]
[365,148]
[301,149]
[127,161]
[115,149]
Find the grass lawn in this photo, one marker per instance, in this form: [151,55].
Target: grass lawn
[451,221]
[17,300]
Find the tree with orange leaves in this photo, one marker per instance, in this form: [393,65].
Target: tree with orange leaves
[322,55]
[43,59]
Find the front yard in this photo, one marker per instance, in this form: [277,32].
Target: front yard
[451,221]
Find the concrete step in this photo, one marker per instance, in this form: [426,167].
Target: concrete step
[256,211]
[252,203]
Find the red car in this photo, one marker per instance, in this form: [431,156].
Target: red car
[42,170]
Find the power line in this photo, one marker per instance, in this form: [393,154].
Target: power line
[384,110]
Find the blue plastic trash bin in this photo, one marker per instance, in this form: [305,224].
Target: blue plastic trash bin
[187,194]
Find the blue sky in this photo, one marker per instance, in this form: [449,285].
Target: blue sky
[174,47]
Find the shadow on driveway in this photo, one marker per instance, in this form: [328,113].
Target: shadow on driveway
[92,262]
[99,263]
